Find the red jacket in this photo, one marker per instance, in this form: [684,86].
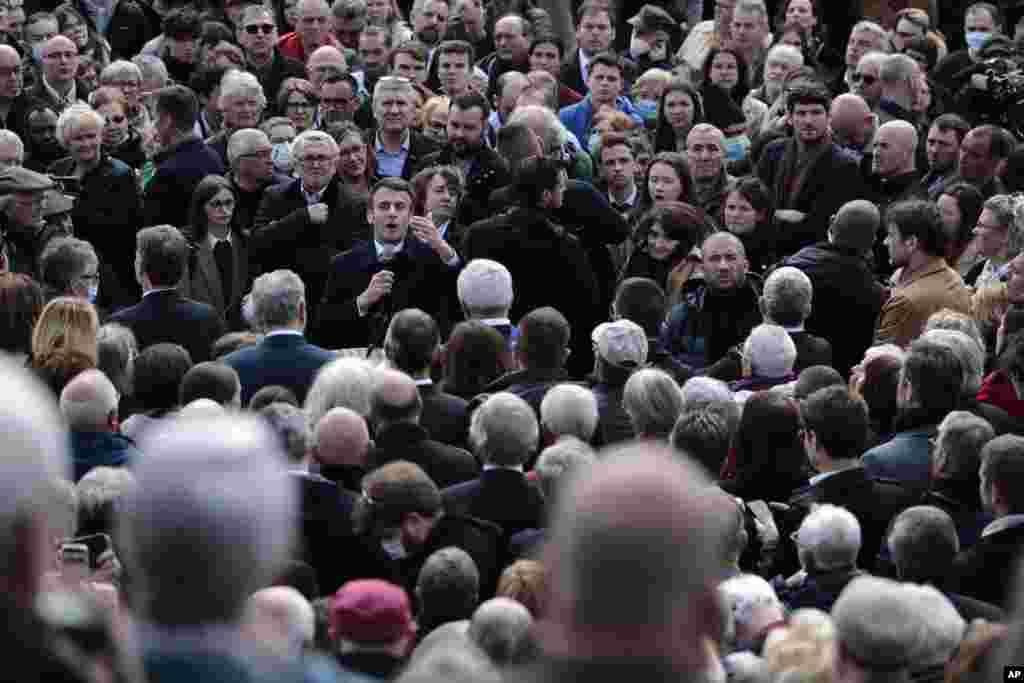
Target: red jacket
[998,390]
[290,45]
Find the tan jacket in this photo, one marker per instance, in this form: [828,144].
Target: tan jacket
[934,287]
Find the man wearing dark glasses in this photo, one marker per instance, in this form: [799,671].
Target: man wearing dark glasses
[257,34]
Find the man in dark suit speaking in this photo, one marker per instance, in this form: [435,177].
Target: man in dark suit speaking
[164,315]
[407,264]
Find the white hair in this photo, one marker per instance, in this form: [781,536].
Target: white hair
[746,593]
[151,68]
[569,410]
[653,401]
[870,27]
[73,118]
[544,122]
[501,628]
[87,401]
[565,458]
[241,141]
[34,444]
[874,57]
[305,137]
[212,518]
[344,383]
[288,613]
[117,70]
[943,627]
[9,137]
[787,52]
[393,85]
[832,535]
[699,391]
[235,83]
[504,430]
[770,350]
[968,352]
[485,289]
[787,293]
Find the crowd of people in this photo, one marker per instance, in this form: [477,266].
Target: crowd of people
[391,340]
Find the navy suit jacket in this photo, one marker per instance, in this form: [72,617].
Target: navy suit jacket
[167,316]
[422,281]
[502,496]
[280,359]
[178,171]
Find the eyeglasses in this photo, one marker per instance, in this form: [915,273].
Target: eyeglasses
[90,277]
[868,79]
[119,119]
[253,29]
[221,204]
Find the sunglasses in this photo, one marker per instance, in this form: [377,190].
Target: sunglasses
[867,78]
[252,30]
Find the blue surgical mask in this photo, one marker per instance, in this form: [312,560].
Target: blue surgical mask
[648,109]
[37,53]
[92,293]
[736,147]
[282,155]
[975,39]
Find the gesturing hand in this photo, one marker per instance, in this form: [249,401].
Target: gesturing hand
[379,287]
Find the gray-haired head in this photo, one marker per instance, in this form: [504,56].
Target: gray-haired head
[501,628]
[447,588]
[242,142]
[117,348]
[831,537]
[308,136]
[283,619]
[485,289]
[211,520]
[74,118]
[878,627]
[10,138]
[770,351]
[89,402]
[653,401]
[898,70]
[237,83]
[698,392]
[923,541]
[560,461]
[970,354]
[957,452]
[569,410]
[344,383]
[152,69]
[544,123]
[786,298]
[120,70]
[1004,209]
[504,430]
[279,301]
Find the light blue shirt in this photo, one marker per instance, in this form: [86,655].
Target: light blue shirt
[388,164]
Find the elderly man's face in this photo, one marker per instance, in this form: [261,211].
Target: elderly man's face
[393,110]
[860,43]
[242,111]
[257,162]
[725,266]
[992,236]
[258,35]
[705,153]
[866,82]
[10,75]
[747,31]
[511,42]
[317,165]
[1015,283]
[323,63]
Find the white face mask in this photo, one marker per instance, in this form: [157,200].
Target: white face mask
[282,155]
[92,293]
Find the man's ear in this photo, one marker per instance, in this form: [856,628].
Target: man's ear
[1001,167]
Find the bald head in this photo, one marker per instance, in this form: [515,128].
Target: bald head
[641,517]
[60,60]
[342,438]
[895,146]
[852,120]
[855,225]
[89,402]
[395,398]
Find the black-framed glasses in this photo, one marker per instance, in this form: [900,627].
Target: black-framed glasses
[868,79]
[266,29]
[90,277]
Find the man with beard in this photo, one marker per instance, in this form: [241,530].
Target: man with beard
[241,104]
[374,46]
[257,34]
[527,242]
[301,225]
[942,149]
[924,284]
[809,175]
[405,265]
[398,146]
[483,168]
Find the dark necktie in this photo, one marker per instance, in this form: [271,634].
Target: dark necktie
[622,207]
[226,267]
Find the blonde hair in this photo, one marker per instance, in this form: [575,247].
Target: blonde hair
[430,106]
[525,581]
[67,324]
[806,645]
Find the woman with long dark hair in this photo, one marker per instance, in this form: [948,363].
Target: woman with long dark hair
[679,109]
[665,237]
[727,69]
[747,213]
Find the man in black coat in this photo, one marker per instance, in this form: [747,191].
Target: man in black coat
[809,176]
[396,407]
[412,341]
[485,170]
[549,266]
[505,435]
[847,297]
[406,265]
[835,433]
[258,35]
[164,315]
[303,224]
[984,570]
[182,162]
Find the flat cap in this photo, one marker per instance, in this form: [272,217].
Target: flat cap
[20,179]
[651,18]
